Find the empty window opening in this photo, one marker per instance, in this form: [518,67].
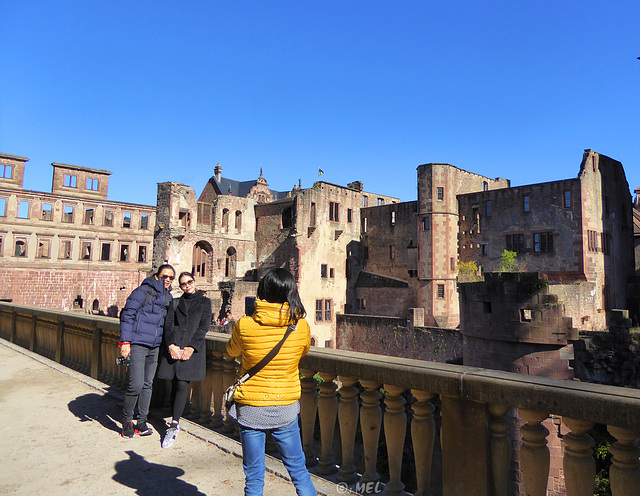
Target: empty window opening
[65,249]
[393,218]
[323,270]
[44,246]
[105,254]
[486,306]
[23,210]
[85,253]
[124,253]
[3,207]
[47,212]
[144,222]
[108,218]
[21,248]
[312,215]
[7,171]
[67,214]
[349,215]
[334,211]
[225,220]
[142,254]
[126,220]
[88,216]
[238,221]
[525,315]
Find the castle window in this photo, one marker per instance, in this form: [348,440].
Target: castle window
[365,200]
[126,220]
[225,220]
[392,252]
[488,208]
[323,270]
[592,241]
[361,303]
[440,290]
[380,201]
[70,181]
[20,248]
[287,218]
[238,221]
[413,273]
[440,193]
[85,253]
[485,186]
[393,218]
[88,216]
[323,310]
[124,252]
[366,253]
[7,171]
[452,264]
[92,184]
[65,249]
[67,214]
[105,255]
[142,253]
[525,203]
[514,242]
[349,215]
[332,273]
[525,315]
[312,215]
[567,199]
[47,212]
[108,218]
[144,222]
[3,207]
[364,224]
[543,242]
[425,223]
[334,211]
[484,249]
[605,243]
[23,210]
[44,247]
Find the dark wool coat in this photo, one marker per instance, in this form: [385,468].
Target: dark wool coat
[142,318]
[186,330]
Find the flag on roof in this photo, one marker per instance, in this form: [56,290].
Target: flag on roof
[320,172]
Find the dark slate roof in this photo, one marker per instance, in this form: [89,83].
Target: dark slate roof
[370,280]
[239,188]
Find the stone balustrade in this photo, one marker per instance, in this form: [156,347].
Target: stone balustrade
[368,406]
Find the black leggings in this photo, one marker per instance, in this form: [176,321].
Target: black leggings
[179,390]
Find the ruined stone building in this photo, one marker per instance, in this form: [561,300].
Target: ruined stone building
[636,229]
[71,248]
[575,231]
[411,249]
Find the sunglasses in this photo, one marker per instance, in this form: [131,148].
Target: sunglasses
[187,283]
[164,276]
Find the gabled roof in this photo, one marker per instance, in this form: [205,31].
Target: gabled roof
[238,188]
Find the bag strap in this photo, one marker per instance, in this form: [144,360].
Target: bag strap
[267,358]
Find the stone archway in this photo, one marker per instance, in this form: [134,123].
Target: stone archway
[202,261]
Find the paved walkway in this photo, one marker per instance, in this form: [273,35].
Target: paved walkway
[59,435]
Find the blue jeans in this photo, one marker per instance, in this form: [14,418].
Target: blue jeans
[287,439]
[142,368]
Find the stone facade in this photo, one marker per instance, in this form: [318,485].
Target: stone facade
[71,248]
[571,230]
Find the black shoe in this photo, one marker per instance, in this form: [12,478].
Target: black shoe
[127,429]
[143,429]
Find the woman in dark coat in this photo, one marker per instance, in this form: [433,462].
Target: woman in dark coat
[184,351]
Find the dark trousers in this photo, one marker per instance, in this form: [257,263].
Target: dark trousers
[179,390]
[142,368]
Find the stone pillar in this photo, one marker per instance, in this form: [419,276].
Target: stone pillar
[395,429]
[218,388]
[534,453]
[499,449]
[96,342]
[328,411]
[624,473]
[348,419]
[370,424]
[578,463]
[308,412]
[423,435]
[228,378]
[464,435]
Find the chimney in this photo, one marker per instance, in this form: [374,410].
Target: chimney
[218,172]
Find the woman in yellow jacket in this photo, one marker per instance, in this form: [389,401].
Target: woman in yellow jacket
[268,402]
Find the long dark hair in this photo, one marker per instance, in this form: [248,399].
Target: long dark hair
[279,286]
[165,266]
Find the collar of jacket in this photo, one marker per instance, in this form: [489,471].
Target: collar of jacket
[271,314]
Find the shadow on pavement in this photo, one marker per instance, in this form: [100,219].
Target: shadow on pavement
[152,479]
[98,407]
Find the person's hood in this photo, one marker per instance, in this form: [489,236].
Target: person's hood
[271,314]
[158,284]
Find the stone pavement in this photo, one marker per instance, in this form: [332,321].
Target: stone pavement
[60,435]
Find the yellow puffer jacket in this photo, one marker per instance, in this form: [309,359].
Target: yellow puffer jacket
[278,383]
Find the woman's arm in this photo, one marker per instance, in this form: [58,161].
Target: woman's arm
[234,345]
[197,342]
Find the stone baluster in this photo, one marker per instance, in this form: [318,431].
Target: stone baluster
[327,412]
[207,392]
[395,429]
[308,412]
[624,473]
[195,403]
[499,448]
[229,376]
[578,463]
[423,435]
[348,419]
[534,453]
[370,424]
[218,388]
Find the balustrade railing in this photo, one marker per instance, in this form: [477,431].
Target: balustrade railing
[369,408]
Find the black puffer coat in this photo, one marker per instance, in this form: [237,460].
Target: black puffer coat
[184,329]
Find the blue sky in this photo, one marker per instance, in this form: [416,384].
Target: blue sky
[160,91]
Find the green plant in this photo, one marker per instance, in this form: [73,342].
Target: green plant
[508,262]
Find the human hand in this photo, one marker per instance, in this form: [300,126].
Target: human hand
[186,353]
[125,350]
[175,352]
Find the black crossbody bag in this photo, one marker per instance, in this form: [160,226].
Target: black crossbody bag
[227,398]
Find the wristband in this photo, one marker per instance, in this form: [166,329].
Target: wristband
[123,342]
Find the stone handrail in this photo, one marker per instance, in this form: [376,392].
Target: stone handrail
[379,394]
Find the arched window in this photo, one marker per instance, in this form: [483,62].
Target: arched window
[202,260]
[230,263]
[225,220]
[238,221]
[95,306]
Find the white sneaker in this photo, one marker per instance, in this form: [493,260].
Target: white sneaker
[170,436]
